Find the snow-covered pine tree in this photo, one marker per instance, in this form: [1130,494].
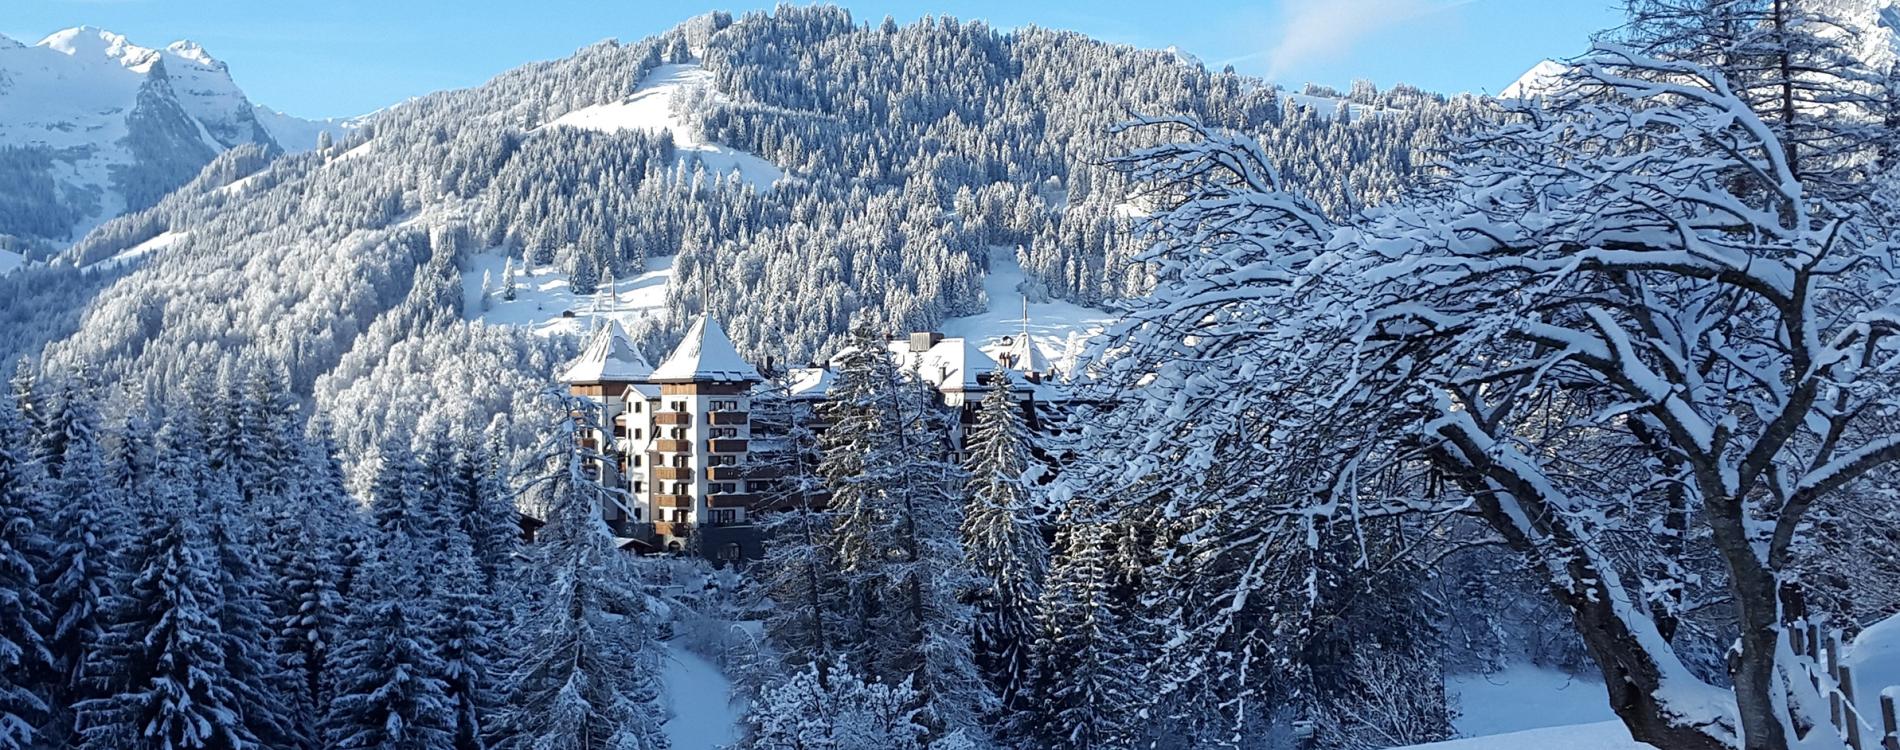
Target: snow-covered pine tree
[389,695]
[508,279]
[310,622]
[259,681]
[585,672]
[1086,679]
[394,493]
[164,650]
[87,529]
[888,464]
[463,616]
[806,617]
[489,516]
[832,707]
[24,614]
[1002,539]
[464,629]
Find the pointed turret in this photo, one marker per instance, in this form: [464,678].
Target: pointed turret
[610,357]
[705,355]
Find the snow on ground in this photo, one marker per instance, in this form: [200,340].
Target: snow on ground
[1060,327]
[1606,735]
[651,109]
[164,240]
[541,298]
[702,715]
[1525,697]
[1875,659]
[10,260]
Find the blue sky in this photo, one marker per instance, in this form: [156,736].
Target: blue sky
[346,57]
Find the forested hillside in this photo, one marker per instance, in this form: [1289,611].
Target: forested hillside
[908,150]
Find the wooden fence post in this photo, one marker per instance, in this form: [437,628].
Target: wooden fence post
[1852,714]
[1889,726]
[1834,708]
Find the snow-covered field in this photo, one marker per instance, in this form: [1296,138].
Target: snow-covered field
[541,298]
[10,260]
[651,109]
[1607,735]
[1525,697]
[1058,326]
[703,716]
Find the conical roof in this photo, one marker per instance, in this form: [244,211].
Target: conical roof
[610,357]
[705,355]
[1022,355]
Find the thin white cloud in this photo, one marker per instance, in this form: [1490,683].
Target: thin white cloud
[1314,30]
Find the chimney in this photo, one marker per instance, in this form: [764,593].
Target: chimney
[921,341]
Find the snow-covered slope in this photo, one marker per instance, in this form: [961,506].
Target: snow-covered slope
[544,299]
[96,125]
[653,107]
[1058,327]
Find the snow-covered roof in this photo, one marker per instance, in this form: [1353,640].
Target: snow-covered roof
[610,357]
[953,364]
[706,354]
[809,382]
[1019,353]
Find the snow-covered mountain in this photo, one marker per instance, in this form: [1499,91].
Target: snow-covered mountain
[1539,79]
[93,125]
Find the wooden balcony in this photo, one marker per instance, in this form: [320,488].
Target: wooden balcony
[673,501]
[732,500]
[727,472]
[673,473]
[726,445]
[673,446]
[673,528]
[726,417]
[673,418]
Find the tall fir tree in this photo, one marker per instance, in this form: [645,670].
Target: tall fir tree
[585,677]
[1002,539]
[1085,678]
[888,464]
[259,679]
[24,614]
[389,694]
[86,528]
[165,649]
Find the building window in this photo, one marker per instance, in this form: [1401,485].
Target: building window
[725,432]
[637,485]
[679,515]
[679,406]
[725,517]
[730,553]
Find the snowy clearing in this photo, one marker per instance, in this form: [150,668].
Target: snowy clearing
[10,260]
[651,109]
[702,715]
[1525,697]
[1060,327]
[120,259]
[1607,735]
[542,299]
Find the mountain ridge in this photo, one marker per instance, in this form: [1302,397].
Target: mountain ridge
[94,125]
